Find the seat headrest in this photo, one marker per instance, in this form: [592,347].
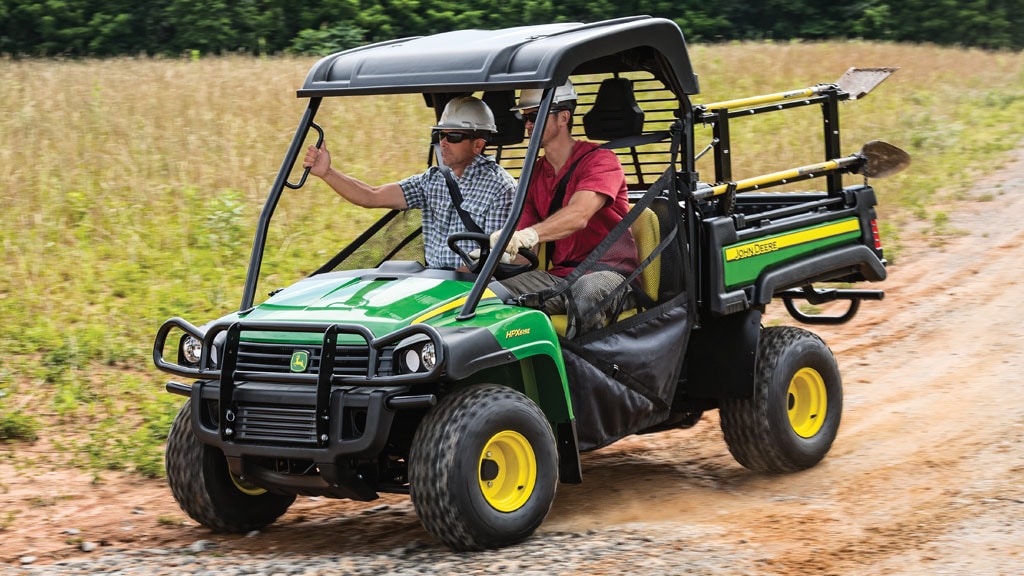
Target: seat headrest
[616,113]
[511,127]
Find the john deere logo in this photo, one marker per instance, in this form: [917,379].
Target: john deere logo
[300,361]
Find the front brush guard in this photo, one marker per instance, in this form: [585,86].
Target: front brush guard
[325,379]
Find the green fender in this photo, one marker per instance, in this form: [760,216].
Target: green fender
[524,355]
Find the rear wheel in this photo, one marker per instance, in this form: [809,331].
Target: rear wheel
[483,468]
[792,419]
[206,489]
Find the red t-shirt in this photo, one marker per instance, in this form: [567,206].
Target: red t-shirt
[601,172]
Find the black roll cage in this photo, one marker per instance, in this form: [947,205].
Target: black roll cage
[610,47]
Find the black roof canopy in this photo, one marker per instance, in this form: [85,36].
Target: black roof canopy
[513,58]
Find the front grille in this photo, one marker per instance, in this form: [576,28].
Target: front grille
[276,424]
[348,360]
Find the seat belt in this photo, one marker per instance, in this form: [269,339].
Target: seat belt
[456,195]
[556,204]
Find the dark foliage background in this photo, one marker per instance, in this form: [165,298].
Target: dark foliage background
[174,27]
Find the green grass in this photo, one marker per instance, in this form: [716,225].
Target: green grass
[16,425]
[133,187]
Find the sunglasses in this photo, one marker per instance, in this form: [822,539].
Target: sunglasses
[452,137]
[532,116]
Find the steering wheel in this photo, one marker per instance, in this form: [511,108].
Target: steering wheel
[484,242]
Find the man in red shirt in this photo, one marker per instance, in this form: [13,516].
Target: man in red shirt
[594,200]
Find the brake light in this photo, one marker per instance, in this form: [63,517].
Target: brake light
[875,235]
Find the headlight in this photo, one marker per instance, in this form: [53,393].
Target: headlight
[191,349]
[428,356]
[419,357]
[412,360]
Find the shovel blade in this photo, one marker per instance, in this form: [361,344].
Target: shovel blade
[858,82]
[882,159]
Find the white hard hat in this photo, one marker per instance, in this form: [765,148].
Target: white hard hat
[530,98]
[467,113]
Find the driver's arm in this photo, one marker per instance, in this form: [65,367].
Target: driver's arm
[355,191]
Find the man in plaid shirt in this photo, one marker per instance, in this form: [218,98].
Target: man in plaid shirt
[486,187]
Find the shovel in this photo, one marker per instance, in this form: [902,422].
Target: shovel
[876,159]
[855,83]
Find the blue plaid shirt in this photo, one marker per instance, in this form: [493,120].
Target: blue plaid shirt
[487,192]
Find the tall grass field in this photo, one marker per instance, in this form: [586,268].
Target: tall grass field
[132,188]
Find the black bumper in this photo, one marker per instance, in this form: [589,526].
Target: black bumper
[267,428]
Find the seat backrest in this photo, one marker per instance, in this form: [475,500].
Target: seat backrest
[672,260]
[647,234]
[616,113]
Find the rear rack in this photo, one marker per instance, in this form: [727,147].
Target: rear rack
[855,83]
[643,164]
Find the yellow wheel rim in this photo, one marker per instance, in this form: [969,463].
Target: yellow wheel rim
[808,402]
[245,487]
[507,471]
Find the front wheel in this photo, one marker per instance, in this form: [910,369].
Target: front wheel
[792,419]
[206,489]
[483,468]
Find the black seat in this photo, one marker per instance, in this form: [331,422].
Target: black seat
[616,113]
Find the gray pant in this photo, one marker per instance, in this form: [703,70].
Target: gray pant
[587,292]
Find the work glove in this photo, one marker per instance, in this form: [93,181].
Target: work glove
[525,238]
[506,258]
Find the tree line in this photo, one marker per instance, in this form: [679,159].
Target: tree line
[172,27]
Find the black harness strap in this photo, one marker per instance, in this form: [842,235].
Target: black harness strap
[456,194]
[556,204]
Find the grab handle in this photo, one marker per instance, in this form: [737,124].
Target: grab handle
[305,173]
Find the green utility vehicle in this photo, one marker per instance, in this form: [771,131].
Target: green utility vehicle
[377,374]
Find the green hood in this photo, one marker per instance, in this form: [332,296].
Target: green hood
[382,304]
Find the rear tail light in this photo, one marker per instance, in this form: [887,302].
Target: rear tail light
[875,235]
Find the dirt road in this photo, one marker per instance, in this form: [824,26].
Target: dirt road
[926,476]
